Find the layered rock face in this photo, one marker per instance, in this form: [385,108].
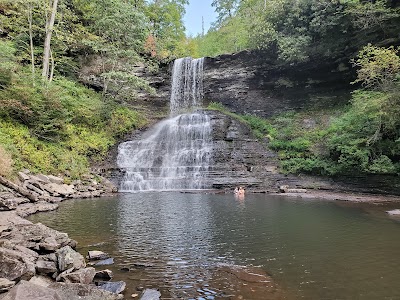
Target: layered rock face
[238,158]
[253,82]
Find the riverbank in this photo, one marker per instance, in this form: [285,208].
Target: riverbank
[45,256]
[39,262]
[342,196]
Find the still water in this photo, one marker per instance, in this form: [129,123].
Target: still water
[313,249]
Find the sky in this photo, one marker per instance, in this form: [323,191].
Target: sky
[194,11]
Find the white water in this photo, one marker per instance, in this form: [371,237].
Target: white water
[176,154]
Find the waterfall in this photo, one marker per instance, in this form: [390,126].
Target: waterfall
[187,84]
[176,153]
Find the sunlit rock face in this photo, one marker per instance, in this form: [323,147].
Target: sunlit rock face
[254,82]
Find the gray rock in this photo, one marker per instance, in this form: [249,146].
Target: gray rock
[116,287]
[34,188]
[29,291]
[16,265]
[23,177]
[77,291]
[97,255]
[46,267]
[394,212]
[69,258]
[61,189]
[49,244]
[104,275]
[7,204]
[43,178]
[84,276]
[55,179]
[49,257]
[6,285]
[104,262]
[41,280]
[27,209]
[150,294]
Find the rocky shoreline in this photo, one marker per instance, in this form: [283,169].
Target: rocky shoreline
[38,262]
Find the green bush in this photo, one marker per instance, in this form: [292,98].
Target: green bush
[60,126]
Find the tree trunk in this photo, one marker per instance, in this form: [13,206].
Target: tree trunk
[49,31]
[30,8]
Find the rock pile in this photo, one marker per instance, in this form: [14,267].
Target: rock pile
[36,193]
[42,263]
[46,187]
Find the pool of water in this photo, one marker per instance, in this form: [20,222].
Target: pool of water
[173,241]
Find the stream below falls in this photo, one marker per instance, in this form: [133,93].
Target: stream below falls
[313,249]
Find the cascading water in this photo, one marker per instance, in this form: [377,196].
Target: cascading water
[176,153]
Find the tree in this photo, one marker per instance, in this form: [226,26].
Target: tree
[47,74]
[225,9]
[379,68]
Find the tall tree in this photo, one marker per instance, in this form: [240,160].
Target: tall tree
[47,55]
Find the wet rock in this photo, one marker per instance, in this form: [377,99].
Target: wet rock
[97,255]
[69,258]
[394,212]
[104,275]
[84,276]
[150,294]
[77,291]
[46,267]
[6,285]
[29,291]
[115,287]
[104,262]
[143,265]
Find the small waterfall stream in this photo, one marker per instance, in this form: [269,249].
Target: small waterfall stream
[176,153]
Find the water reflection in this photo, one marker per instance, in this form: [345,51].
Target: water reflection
[177,242]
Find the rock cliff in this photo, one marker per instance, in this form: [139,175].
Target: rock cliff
[254,83]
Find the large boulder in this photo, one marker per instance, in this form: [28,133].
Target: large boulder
[46,267]
[59,189]
[16,265]
[69,258]
[55,179]
[84,276]
[39,237]
[29,291]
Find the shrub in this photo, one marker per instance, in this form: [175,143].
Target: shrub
[6,163]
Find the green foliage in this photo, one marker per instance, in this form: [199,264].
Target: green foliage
[294,31]
[123,120]
[7,63]
[378,67]
[59,127]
